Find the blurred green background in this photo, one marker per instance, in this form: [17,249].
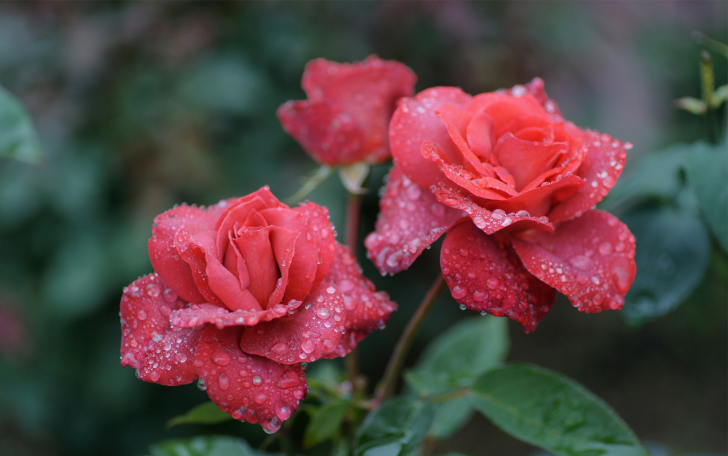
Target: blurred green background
[140,106]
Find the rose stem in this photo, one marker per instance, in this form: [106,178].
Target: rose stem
[353,217]
[386,387]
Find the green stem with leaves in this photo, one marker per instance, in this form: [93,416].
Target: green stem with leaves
[391,374]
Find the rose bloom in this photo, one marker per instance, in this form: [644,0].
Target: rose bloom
[349,106]
[514,185]
[244,292]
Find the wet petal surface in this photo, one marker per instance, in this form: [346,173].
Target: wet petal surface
[490,221]
[201,314]
[589,259]
[248,387]
[410,219]
[366,308]
[310,333]
[485,276]
[163,254]
[415,122]
[600,169]
[160,353]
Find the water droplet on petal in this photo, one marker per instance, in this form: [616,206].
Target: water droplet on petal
[459,292]
[220,358]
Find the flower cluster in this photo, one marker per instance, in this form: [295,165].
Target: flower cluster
[244,292]
[514,184]
[247,290]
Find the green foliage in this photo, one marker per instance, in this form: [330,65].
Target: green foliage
[204,446]
[325,422]
[394,429]
[207,413]
[18,139]
[707,168]
[454,360]
[673,250]
[459,355]
[553,412]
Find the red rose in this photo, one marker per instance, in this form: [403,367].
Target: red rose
[514,183]
[244,292]
[348,109]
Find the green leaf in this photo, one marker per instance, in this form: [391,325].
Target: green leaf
[553,412]
[325,422]
[458,356]
[707,168]
[396,428]
[691,105]
[673,250]
[18,139]
[450,417]
[204,446]
[207,413]
[453,361]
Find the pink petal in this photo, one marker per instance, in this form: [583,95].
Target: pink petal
[600,169]
[410,219]
[160,353]
[486,277]
[163,254]
[538,200]
[202,314]
[255,249]
[366,309]
[248,387]
[456,121]
[329,135]
[486,188]
[314,246]
[310,333]
[526,160]
[237,215]
[589,259]
[536,89]
[490,221]
[415,122]
[283,242]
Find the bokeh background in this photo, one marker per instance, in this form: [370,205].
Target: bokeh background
[140,106]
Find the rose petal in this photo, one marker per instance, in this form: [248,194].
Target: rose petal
[589,259]
[366,309]
[456,121]
[283,242]
[600,169]
[486,188]
[410,219]
[308,334]
[248,387]
[329,135]
[255,249]
[314,246]
[538,200]
[203,314]
[526,160]
[235,217]
[366,91]
[486,277]
[415,122]
[160,353]
[536,88]
[163,254]
[490,221]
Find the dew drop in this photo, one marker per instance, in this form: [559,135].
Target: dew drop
[142,315]
[220,358]
[281,348]
[605,248]
[459,292]
[257,381]
[308,346]
[492,283]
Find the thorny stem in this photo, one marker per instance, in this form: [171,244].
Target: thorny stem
[353,217]
[386,388]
